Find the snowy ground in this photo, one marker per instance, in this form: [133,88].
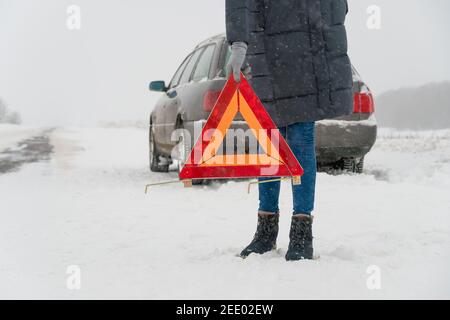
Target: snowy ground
[86,207]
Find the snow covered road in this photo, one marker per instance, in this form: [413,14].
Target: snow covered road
[85,206]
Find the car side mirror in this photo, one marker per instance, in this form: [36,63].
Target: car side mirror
[158,86]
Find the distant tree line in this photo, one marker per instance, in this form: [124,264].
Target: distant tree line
[7,116]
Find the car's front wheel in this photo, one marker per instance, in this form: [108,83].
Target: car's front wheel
[154,156]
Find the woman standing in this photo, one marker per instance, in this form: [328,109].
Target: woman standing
[297,51]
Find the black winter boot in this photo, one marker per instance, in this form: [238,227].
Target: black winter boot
[265,239]
[301,245]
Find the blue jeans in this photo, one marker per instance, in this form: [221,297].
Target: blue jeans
[301,138]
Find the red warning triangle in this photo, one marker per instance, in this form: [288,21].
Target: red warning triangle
[206,160]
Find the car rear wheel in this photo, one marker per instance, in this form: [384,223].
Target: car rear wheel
[360,166]
[154,156]
[352,165]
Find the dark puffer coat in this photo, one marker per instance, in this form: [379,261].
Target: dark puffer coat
[297,50]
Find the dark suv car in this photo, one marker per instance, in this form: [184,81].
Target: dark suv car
[188,99]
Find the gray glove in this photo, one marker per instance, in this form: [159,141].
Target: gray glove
[238,53]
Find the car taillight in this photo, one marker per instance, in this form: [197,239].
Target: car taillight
[210,99]
[364,102]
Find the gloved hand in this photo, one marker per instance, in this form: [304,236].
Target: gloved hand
[238,53]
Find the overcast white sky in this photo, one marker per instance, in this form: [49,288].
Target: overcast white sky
[54,76]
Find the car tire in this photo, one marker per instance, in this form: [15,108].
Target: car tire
[155,165]
[350,165]
[360,166]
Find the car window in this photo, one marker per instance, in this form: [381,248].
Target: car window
[204,64]
[176,77]
[190,67]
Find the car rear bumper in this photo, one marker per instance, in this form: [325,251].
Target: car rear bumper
[337,139]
